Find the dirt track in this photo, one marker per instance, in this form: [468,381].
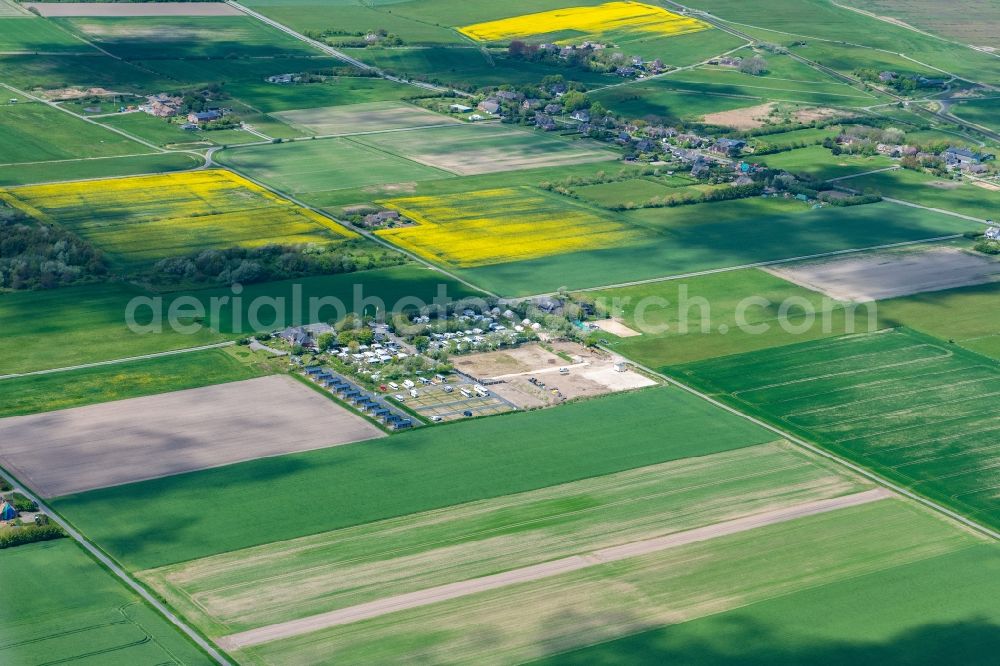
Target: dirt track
[540,571]
[73,450]
[55,9]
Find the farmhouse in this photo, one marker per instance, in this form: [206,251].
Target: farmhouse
[381,217]
[727,146]
[296,336]
[993,233]
[162,105]
[204,116]
[490,106]
[582,115]
[284,79]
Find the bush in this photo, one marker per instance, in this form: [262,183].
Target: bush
[22,503]
[18,536]
[4,485]
[988,247]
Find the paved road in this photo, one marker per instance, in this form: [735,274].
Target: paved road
[118,360]
[541,571]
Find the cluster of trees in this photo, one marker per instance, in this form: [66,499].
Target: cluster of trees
[271,262]
[988,246]
[18,536]
[598,178]
[36,256]
[356,39]
[754,65]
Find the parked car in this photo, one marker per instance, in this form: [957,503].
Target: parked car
[467,412]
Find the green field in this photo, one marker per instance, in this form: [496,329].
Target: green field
[156,37]
[699,237]
[907,405]
[415,471]
[59,71]
[43,393]
[360,118]
[75,325]
[319,573]
[112,167]
[165,133]
[475,149]
[787,21]
[467,67]
[964,315]
[937,610]
[311,170]
[61,606]
[28,33]
[33,132]
[819,163]
[706,308]
[968,21]
[928,190]
[606,601]
[636,190]
[656,102]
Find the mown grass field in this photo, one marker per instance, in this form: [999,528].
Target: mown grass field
[113,167]
[711,315]
[171,37]
[662,103]
[44,393]
[163,133]
[969,21]
[937,609]
[313,170]
[34,132]
[415,471]
[983,112]
[700,237]
[617,599]
[484,148]
[818,162]
[60,605]
[59,71]
[928,190]
[636,190]
[140,220]
[907,405]
[227,593]
[357,118]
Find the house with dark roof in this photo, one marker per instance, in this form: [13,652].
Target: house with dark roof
[204,116]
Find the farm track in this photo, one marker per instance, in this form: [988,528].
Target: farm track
[541,571]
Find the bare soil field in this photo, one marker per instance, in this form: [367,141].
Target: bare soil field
[74,450]
[54,9]
[887,275]
[616,327]
[590,373]
[357,118]
[750,117]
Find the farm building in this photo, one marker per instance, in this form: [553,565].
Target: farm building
[460,108]
[204,116]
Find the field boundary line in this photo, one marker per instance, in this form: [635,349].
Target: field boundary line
[116,361]
[759,264]
[868,474]
[535,572]
[108,563]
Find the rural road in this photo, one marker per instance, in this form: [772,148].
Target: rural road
[541,571]
[96,364]
[116,570]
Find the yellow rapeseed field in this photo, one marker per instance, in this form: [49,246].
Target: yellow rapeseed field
[145,218]
[629,17]
[498,226]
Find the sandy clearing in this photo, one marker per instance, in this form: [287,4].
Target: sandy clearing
[750,117]
[615,327]
[986,185]
[891,274]
[541,571]
[90,447]
[509,361]
[55,9]
[356,118]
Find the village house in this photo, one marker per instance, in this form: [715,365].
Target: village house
[381,217]
[963,156]
[993,233]
[297,336]
[727,146]
[553,108]
[509,95]
[490,106]
[544,122]
[162,105]
[531,103]
[582,115]
[283,79]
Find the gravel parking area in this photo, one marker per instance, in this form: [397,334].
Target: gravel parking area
[75,450]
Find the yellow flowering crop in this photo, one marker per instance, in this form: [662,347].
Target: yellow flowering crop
[498,226]
[145,218]
[628,17]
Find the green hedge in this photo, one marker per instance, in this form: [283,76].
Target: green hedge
[18,536]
